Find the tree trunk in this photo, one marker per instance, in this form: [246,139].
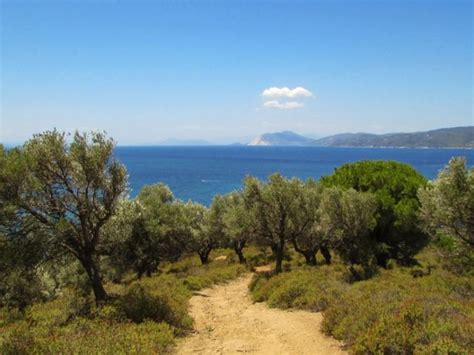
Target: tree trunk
[278,252]
[238,247]
[95,280]
[357,276]
[204,256]
[240,255]
[309,255]
[310,258]
[326,254]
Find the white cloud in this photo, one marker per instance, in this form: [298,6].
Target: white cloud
[275,92]
[289,105]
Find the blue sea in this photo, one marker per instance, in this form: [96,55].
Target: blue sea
[200,172]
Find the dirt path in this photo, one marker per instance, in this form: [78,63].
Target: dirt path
[227,322]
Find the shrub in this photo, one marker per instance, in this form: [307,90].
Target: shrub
[143,317]
[18,340]
[20,289]
[165,304]
[396,313]
[307,288]
[395,186]
[85,336]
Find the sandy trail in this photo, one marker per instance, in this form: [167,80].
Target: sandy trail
[227,322]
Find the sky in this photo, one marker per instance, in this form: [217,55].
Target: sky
[225,71]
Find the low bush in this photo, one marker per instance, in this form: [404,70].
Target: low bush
[305,288]
[143,316]
[85,336]
[394,312]
[162,299]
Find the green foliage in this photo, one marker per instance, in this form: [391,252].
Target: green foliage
[139,304]
[272,204]
[88,337]
[146,231]
[201,236]
[212,275]
[20,286]
[395,313]
[348,217]
[391,313]
[447,214]
[307,288]
[395,186]
[165,221]
[143,317]
[70,189]
[306,219]
[239,224]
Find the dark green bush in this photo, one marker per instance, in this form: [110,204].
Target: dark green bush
[20,289]
[395,186]
[139,305]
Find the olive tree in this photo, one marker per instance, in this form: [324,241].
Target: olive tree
[71,189]
[347,218]
[21,243]
[305,218]
[127,246]
[447,213]
[164,220]
[199,237]
[146,231]
[273,203]
[239,224]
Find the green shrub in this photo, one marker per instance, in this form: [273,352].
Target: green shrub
[17,340]
[142,317]
[8,316]
[307,288]
[139,305]
[396,313]
[85,336]
[391,313]
[20,289]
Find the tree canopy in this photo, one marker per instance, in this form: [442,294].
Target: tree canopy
[447,213]
[70,188]
[395,186]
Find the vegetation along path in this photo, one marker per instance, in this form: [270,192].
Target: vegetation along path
[227,322]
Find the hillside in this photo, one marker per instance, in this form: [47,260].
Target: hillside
[456,137]
[440,138]
[284,138]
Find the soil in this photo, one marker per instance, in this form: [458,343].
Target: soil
[228,322]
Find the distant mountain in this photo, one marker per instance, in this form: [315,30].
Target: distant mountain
[456,137]
[173,141]
[284,138]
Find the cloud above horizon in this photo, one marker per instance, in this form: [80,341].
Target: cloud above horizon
[273,96]
[286,92]
[289,105]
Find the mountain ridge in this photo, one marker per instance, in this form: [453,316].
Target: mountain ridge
[453,137]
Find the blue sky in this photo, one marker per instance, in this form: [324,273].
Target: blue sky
[145,71]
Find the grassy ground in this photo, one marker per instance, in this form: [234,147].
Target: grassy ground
[145,316]
[391,313]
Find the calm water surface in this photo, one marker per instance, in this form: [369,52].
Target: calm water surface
[198,173]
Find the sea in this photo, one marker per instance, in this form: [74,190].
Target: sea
[198,173]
